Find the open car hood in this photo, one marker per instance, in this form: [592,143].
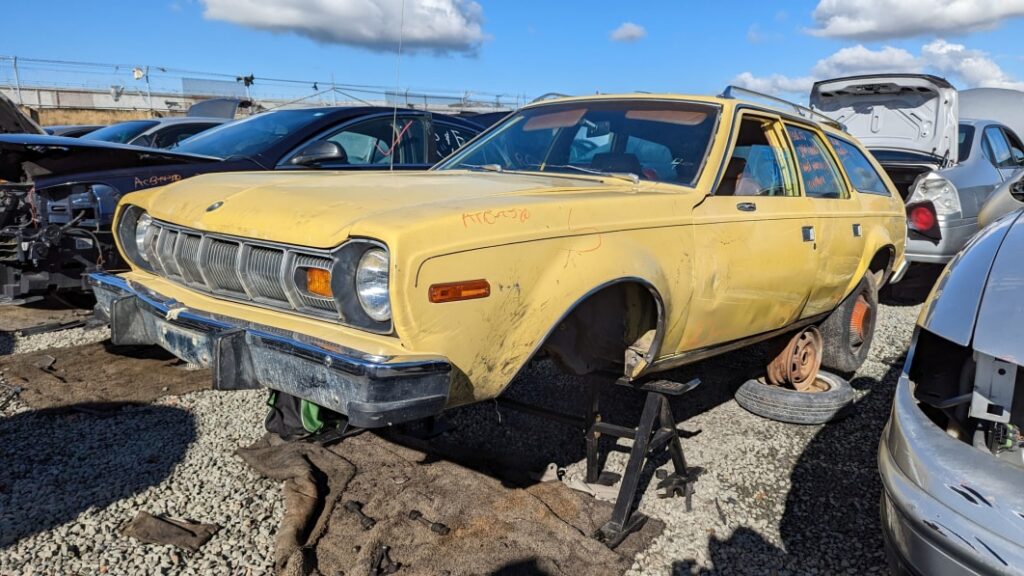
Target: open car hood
[14,121]
[907,112]
[28,157]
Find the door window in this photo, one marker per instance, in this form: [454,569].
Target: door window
[1016,148]
[820,175]
[998,148]
[448,138]
[755,167]
[376,141]
[175,133]
[862,174]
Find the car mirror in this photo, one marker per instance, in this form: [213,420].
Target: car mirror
[598,129]
[319,151]
[1017,190]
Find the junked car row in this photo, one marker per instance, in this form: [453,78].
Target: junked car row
[58,200]
[617,235]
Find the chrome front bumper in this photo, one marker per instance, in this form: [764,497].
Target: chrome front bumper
[372,391]
[929,526]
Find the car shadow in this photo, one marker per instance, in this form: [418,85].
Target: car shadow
[59,462]
[914,288]
[831,523]
[511,445]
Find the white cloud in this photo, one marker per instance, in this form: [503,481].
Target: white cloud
[774,84]
[441,26]
[972,68]
[628,32]
[887,19]
[860,60]
[845,62]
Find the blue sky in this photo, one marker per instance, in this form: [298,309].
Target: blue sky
[530,47]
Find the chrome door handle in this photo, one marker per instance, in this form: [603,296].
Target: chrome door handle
[808,233]
[746,207]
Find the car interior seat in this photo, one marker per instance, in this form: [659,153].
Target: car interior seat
[612,162]
[731,178]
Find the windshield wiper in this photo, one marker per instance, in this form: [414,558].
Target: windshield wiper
[628,176]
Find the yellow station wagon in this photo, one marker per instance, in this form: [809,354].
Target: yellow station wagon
[634,233]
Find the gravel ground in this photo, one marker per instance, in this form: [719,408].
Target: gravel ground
[775,498]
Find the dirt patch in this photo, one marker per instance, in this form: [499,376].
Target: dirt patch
[28,316]
[99,373]
[489,527]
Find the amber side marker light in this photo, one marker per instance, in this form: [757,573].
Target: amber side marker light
[319,282]
[464,290]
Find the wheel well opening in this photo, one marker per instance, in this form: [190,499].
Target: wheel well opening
[881,264]
[599,332]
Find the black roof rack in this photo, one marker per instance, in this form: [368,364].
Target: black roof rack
[549,96]
[786,105]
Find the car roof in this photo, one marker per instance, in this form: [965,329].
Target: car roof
[723,101]
[186,119]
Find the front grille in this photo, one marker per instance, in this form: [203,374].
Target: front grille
[263,269]
[238,269]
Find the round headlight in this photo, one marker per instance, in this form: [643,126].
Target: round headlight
[141,228]
[372,284]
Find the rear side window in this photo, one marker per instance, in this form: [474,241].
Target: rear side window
[820,175]
[863,176]
[965,139]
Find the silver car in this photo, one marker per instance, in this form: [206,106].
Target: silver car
[911,123]
[154,132]
[951,456]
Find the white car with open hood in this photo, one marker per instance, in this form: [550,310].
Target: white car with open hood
[912,125]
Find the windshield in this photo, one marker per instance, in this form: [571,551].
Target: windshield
[122,132]
[654,140]
[250,136]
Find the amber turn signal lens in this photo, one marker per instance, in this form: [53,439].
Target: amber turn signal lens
[465,290]
[319,282]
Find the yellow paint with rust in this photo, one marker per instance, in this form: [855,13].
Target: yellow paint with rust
[544,243]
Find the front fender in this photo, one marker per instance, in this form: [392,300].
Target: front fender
[534,285]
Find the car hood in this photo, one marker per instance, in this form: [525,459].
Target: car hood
[976,300]
[908,112]
[28,157]
[1001,314]
[14,121]
[317,209]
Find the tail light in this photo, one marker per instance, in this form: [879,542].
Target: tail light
[921,218]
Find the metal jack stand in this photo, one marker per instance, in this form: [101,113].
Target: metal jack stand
[657,431]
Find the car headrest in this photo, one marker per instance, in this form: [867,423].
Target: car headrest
[736,167]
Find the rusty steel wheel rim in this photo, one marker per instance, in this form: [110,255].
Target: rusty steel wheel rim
[860,322]
[798,363]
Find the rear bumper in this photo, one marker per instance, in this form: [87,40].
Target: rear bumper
[373,391]
[955,234]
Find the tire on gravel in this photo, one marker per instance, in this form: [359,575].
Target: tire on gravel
[845,348]
[785,405]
